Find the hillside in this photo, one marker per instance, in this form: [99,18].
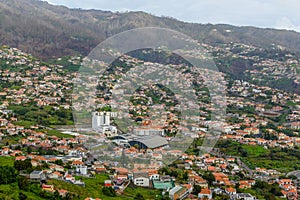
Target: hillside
[48,31]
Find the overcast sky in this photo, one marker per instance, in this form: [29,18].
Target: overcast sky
[284,14]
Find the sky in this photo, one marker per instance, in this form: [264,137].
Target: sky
[281,14]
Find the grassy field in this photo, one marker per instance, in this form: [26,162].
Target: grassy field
[57,133]
[252,151]
[26,124]
[12,191]
[131,191]
[6,161]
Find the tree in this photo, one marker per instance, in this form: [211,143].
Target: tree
[165,170]
[45,165]
[23,165]
[220,197]
[293,177]
[237,186]
[139,196]
[29,150]
[196,189]
[7,175]
[244,153]
[109,191]
[209,177]
[59,162]
[270,197]
[57,195]
[22,182]
[165,196]
[22,196]
[185,176]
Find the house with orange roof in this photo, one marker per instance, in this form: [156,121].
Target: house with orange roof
[221,178]
[244,185]
[288,189]
[282,182]
[189,162]
[242,132]
[200,181]
[205,193]
[77,163]
[230,191]
[69,177]
[63,193]
[99,169]
[292,194]
[189,187]
[58,168]
[40,158]
[213,168]
[52,160]
[210,160]
[55,175]
[261,141]
[22,158]
[35,163]
[227,182]
[252,130]
[121,171]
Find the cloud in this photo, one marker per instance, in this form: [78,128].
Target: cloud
[286,23]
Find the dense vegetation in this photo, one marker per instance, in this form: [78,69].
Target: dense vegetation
[46,115]
[283,160]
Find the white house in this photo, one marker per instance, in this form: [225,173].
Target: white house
[81,169]
[154,177]
[141,181]
[243,196]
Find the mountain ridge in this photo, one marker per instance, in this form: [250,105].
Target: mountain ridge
[49,31]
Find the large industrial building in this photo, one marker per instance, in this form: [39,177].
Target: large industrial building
[144,142]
